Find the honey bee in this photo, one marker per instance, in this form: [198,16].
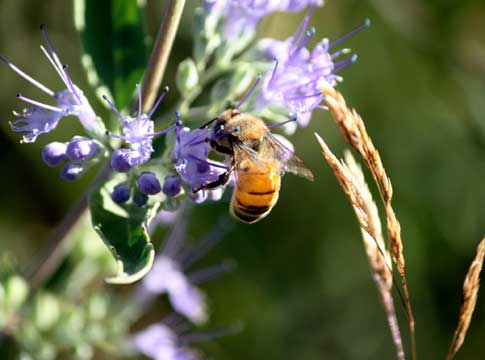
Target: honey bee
[258,161]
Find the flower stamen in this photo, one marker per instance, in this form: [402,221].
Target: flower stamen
[115,110]
[339,66]
[292,119]
[358,29]
[195,337]
[249,93]
[51,48]
[275,67]
[160,98]
[164,131]
[308,35]
[340,52]
[300,31]
[39,104]
[206,162]
[138,90]
[211,272]
[27,77]
[70,85]
[59,72]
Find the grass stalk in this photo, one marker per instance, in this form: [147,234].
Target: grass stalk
[469,300]
[354,132]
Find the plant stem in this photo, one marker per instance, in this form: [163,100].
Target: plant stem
[161,52]
[59,244]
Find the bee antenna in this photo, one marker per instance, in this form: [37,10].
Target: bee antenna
[208,123]
[249,93]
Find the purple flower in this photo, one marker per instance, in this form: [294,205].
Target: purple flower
[167,277]
[54,154]
[72,171]
[298,73]
[80,152]
[81,148]
[43,118]
[244,15]
[138,133]
[298,5]
[168,274]
[169,339]
[172,185]
[34,122]
[148,183]
[163,218]
[140,199]
[160,342]
[121,193]
[120,160]
[191,152]
[198,197]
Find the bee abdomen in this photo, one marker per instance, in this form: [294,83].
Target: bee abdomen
[256,193]
[269,192]
[253,209]
[247,217]
[253,206]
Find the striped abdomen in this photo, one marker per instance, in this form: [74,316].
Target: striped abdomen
[256,191]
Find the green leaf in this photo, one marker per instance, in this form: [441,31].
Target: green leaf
[123,230]
[113,39]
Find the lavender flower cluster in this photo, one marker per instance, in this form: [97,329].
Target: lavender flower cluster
[40,118]
[288,87]
[292,84]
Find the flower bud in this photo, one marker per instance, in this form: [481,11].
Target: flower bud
[119,160]
[16,291]
[121,193]
[139,199]
[148,183]
[172,185]
[71,171]
[54,153]
[216,194]
[81,148]
[198,197]
[187,76]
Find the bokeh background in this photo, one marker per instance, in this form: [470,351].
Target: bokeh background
[302,286]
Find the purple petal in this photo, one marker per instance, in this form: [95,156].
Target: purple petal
[35,122]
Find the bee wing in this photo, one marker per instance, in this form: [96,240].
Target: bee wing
[290,162]
[243,152]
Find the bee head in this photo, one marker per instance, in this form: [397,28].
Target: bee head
[224,120]
[225,127]
[227,116]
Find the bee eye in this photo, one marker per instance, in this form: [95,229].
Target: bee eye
[238,128]
[221,127]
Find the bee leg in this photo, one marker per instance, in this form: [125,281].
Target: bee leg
[219,148]
[208,123]
[222,180]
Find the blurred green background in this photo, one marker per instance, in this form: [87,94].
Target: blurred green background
[302,286]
